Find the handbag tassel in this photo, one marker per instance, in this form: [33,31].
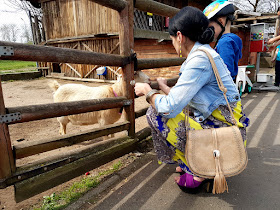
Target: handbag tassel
[220,183]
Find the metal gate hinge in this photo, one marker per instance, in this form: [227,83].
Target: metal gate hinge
[6,50]
[7,118]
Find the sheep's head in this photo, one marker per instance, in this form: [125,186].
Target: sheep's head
[140,76]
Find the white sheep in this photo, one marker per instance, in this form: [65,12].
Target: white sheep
[77,92]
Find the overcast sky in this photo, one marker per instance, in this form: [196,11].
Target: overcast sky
[9,15]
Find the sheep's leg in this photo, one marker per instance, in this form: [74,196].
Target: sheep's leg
[102,122]
[62,130]
[63,121]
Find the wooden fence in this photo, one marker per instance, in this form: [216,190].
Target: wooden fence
[42,175]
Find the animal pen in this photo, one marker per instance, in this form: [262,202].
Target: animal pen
[40,176]
[85,25]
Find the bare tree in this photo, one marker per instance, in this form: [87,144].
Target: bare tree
[263,6]
[26,34]
[5,32]
[14,30]
[9,32]
[24,5]
[31,11]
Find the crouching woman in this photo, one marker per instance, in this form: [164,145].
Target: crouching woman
[196,87]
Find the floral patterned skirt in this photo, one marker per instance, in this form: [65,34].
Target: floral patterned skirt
[169,134]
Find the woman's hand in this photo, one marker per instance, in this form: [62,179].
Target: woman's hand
[161,81]
[142,89]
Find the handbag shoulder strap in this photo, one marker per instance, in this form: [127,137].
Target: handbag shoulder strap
[220,84]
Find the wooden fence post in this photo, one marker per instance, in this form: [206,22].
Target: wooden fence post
[126,37]
[7,161]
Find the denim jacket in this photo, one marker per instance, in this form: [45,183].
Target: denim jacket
[197,86]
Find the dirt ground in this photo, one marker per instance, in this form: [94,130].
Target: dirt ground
[22,93]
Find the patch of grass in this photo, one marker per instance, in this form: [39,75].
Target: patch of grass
[10,65]
[62,199]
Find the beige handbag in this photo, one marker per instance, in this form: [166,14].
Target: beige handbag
[216,153]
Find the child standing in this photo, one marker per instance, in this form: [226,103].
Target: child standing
[228,45]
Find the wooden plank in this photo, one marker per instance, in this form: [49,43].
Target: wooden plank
[156,8]
[144,133]
[32,27]
[26,52]
[93,69]
[49,163]
[126,47]
[149,34]
[155,48]
[157,52]
[44,111]
[117,45]
[35,147]
[7,162]
[73,69]
[45,181]
[146,63]
[271,17]
[112,70]
[141,112]
[88,48]
[80,38]
[38,33]
[28,170]
[46,163]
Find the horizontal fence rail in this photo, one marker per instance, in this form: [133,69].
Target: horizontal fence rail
[143,5]
[25,52]
[141,112]
[32,170]
[156,8]
[149,63]
[35,147]
[74,167]
[101,151]
[44,111]
[118,5]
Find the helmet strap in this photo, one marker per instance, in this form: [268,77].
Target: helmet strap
[223,30]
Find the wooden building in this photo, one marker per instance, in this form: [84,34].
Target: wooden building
[85,25]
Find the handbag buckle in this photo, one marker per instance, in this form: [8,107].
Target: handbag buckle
[216,153]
